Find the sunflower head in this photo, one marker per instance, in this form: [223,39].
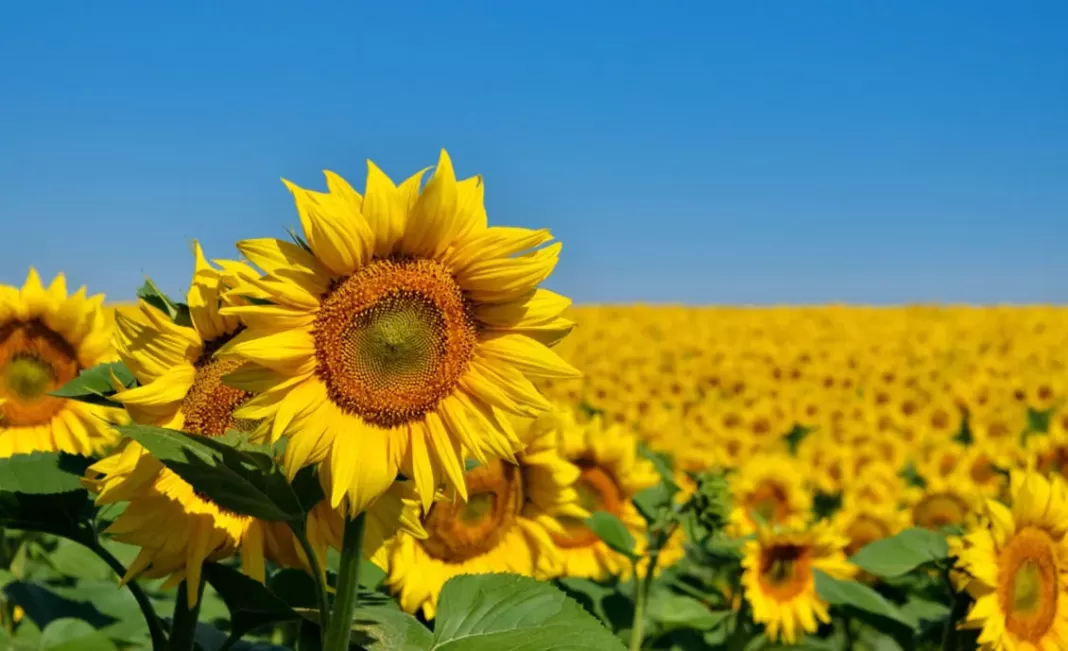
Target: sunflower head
[769,489]
[1017,561]
[47,338]
[779,581]
[402,332]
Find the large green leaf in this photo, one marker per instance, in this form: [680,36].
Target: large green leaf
[43,473]
[900,554]
[613,532]
[251,604]
[63,514]
[860,597]
[385,627]
[489,612]
[43,606]
[96,386]
[246,481]
[70,634]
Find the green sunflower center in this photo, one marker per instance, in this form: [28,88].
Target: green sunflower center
[393,339]
[939,510]
[33,361]
[461,531]
[28,377]
[1027,590]
[1026,587]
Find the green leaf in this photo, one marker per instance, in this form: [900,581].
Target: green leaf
[387,628]
[590,594]
[69,634]
[924,610]
[613,532]
[63,514]
[663,468]
[858,597]
[654,502]
[673,611]
[900,554]
[43,473]
[95,386]
[490,612]
[246,481]
[251,604]
[151,294]
[43,606]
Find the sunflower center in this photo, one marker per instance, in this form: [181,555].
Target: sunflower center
[939,510]
[784,571]
[393,339]
[33,361]
[1027,584]
[597,491]
[863,531]
[209,404]
[769,503]
[460,531]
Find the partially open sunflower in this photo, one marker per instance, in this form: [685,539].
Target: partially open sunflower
[401,337]
[504,526]
[46,339]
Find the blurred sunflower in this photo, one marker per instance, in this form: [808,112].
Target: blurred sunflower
[46,339]
[1019,565]
[769,489]
[401,336]
[779,582]
[610,475]
[504,526]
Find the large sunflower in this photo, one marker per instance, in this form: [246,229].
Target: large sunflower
[1019,564]
[778,577]
[46,339]
[180,388]
[400,338]
[504,526]
[611,474]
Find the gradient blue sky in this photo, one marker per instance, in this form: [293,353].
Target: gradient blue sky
[745,152]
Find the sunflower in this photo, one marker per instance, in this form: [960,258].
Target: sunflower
[401,336]
[610,475]
[504,526]
[948,498]
[1019,565]
[46,339]
[779,581]
[769,489]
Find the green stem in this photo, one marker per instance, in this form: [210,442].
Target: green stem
[348,586]
[957,608]
[301,534]
[184,623]
[155,627]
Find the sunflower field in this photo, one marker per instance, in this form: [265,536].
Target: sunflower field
[381,432]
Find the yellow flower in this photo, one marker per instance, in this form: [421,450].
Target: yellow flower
[46,339]
[504,526]
[1019,565]
[610,475]
[180,388]
[769,489]
[401,337]
[779,582]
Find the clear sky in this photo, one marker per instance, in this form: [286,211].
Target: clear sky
[700,152]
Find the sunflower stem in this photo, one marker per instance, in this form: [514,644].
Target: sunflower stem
[348,586]
[300,531]
[155,627]
[641,598]
[184,622]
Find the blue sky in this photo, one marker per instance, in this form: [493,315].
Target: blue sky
[745,152]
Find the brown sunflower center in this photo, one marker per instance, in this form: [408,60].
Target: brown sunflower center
[393,339]
[785,570]
[939,510]
[34,360]
[209,404]
[864,530]
[597,491]
[1027,584]
[769,502]
[460,531]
